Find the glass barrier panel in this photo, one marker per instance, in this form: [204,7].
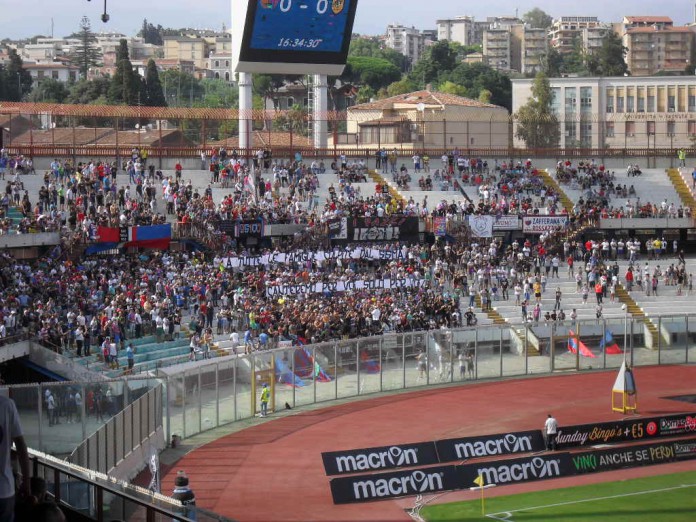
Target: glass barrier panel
[285,379]
[644,341]
[486,346]
[347,382]
[511,344]
[690,339]
[416,359]
[616,338]
[192,394]
[63,432]
[226,371]
[302,370]
[673,339]
[369,364]
[34,420]
[209,397]
[176,405]
[326,355]
[243,369]
[392,362]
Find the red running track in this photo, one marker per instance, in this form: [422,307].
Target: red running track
[274,472]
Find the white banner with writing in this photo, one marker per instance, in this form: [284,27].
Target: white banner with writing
[374,254]
[344,286]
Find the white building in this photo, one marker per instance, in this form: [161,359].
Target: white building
[409,41]
[55,70]
[461,29]
[620,112]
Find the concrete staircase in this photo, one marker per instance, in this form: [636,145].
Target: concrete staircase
[637,312]
[678,179]
[549,181]
[378,178]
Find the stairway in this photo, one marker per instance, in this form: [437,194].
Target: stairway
[549,181]
[685,194]
[636,311]
[532,351]
[492,313]
[377,178]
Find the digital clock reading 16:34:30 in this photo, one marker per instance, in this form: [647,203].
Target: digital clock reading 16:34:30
[308,25]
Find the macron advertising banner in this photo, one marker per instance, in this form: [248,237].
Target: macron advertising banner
[484,446]
[437,479]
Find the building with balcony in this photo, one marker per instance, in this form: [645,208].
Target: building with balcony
[428,120]
[620,112]
[185,48]
[528,46]
[56,70]
[655,45]
[409,41]
[497,48]
[568,30]
[461,29]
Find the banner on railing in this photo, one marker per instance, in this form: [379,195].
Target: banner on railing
[344,286]
[481,226]
[387,228]
[507,223]
[440,226]
[155,236]
[543,224]
[369,254]
[531,468]
[243,229]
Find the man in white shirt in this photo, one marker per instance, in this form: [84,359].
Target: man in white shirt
[550,432]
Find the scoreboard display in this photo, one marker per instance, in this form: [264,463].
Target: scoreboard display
[292,36]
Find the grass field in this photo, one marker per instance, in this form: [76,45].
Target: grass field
[663,498]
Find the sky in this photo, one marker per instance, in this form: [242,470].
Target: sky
[26,18]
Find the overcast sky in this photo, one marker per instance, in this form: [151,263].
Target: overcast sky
[24,18]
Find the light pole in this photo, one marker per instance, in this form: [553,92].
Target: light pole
[625,310]
[19,86]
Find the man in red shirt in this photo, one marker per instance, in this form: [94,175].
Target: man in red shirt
[177,169]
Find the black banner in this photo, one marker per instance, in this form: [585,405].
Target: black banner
[242,229]
[382,486]
[451,450]
[377,459]
[532,441]
[387,228]
[514,471]
[633,456]
[625,431]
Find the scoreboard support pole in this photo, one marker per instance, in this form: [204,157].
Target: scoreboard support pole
[245,113]
[321,108]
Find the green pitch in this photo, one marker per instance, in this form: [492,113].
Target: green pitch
[664,498]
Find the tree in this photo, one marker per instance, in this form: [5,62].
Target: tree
[86,92]
[154,97]
[14,79]
[552,63]
[537,124]
[609,59]
[151,34]
[403,86]
[86,53]
[452,88]
[438,59]
[374,48]
[373,72]
[476,77]
[538,19]
[50,91]
[126,85]
[181,88]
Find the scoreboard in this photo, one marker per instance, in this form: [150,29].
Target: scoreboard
[292,36]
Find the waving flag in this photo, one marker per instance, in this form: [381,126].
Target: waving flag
[573,344]
[608,344]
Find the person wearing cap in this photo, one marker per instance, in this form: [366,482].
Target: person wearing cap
[265,396]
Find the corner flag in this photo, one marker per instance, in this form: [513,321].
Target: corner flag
[479,481]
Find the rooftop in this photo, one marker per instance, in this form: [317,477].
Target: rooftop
[425,97]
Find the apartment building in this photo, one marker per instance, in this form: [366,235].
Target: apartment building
[195,49]
[497,48]
[461,29]
[409,41]
[568,29]
[620,112]
[529,48]
[655,45]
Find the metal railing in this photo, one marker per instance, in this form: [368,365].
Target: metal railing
[102,498]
